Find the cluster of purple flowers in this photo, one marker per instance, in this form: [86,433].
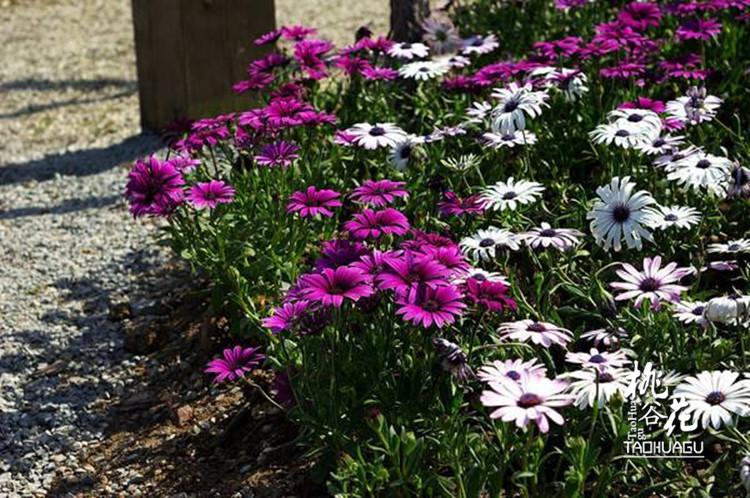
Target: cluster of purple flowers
[157,187]
[426,275]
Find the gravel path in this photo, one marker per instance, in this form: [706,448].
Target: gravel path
[68,131]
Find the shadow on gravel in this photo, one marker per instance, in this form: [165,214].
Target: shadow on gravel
[67,206]
[80,162]
[70,385]
[127,87]
[175,433]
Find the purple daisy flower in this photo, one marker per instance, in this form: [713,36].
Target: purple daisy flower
[702,29]
[297,33]
[379,193]
[277,154]
[267,38]
[210,194]
[640,15]
[453,205]
[340,252]
[490,295]
[236,362]
[330,287]
[313,202]
[379,73]
[373,224]
[406,273]
[285,316]
[450,256]
[154,188]
[428,306]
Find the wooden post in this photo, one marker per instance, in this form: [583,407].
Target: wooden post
[406,19]
[190,52]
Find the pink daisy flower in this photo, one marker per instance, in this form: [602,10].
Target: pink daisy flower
[277,154]
[410,271]
[313,202]
[331,287]
[428,306]
[373,224]
[285,316]
[379,193]
[154,188]
[489,295]
[235,363]
[210,194]
[453,205]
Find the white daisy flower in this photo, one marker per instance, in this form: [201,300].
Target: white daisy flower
[660,145]
[675,155]
[731,247]
[621,133]
[739,182]
[408,51]
[441,36]
[499,371]
[648,121]
[672,216]
[733,309]
[701,170]
[691,312]
[571,82]
[403,151]
[478,111]
[745,473]
[479,44]
[378,135]
[620,214]
[510,194]
[594,386]
[480,275]
[562,239]
[531,399]
[514,104]
[423,70]
[715,397]
[609,337]
[696,107]
[454,61]
[462,163]
[542,333]
[598,360]
[483,244]
[499,140]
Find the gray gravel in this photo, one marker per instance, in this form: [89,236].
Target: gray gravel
[68,132]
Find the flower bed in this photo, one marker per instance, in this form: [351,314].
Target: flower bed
[486,262]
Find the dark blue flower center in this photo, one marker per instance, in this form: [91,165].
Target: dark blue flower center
[698,310]
[512,374]
[649,284]
[703,164]
[597,358]
[529,400]
[487,242]
[509,195]
[715,398]
[536,327]
[670,217]
[621,213]
[510,106]
[377,131]
[635,118]
[547,232]
[622,133]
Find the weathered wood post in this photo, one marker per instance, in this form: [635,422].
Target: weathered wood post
[190,53]
[406,19]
